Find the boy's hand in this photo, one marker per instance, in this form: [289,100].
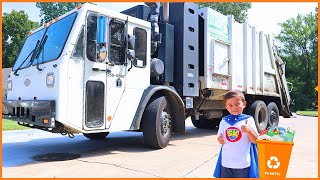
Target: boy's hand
[220,139]
[245,128]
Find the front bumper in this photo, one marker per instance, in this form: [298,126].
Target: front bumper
[38,113]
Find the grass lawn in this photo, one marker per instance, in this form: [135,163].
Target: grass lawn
[308,113]
[11,125]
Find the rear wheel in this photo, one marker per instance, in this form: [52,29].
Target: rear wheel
[204,123]
[96,136]
[156,123]
[259,112]
[273,112]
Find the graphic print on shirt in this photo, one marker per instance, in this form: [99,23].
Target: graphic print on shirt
[233,134]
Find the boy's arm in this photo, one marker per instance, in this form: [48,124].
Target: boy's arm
[220,139]
[219,134]
[251,134]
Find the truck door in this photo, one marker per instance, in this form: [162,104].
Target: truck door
[104,71]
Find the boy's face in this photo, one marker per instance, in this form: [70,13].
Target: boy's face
[235,105]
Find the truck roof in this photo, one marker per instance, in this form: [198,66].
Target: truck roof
[100,10]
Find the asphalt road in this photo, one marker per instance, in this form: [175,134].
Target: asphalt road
[123,154]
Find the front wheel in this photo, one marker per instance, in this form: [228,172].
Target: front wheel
[156,123]
[96,136]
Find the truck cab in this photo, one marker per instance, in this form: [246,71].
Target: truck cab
[71,74]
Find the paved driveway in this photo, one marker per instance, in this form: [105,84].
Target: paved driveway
[123,154]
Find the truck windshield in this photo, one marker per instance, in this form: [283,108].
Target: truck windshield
[57,35]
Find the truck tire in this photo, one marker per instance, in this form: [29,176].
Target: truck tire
[196,123]
[204,123]
[156,123]
[258,110]
[273,113]
[96,136]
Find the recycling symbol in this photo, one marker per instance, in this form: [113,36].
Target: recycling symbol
[273,162]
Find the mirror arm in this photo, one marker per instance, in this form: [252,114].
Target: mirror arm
[130,66]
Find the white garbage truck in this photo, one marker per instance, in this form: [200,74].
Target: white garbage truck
[147,69]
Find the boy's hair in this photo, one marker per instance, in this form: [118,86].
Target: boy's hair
[233,93]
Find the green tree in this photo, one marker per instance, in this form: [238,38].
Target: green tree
[15,29]
[299,39]
[238,9]
[49,11]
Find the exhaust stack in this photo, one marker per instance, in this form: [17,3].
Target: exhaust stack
[165,12]
[154,19]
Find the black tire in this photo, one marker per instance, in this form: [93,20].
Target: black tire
[273,113]
[258,110]
[196,123]
[156,123]
[96,136]
[216,122]
[204,123]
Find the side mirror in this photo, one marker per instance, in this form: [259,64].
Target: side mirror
[131,41]
[101,53]
[131,54]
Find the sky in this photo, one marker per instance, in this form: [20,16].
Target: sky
[265,16]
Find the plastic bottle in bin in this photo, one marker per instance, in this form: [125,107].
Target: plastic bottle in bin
[281,130]
[277,134]
[289,135]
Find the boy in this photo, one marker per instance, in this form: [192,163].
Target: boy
[237,133]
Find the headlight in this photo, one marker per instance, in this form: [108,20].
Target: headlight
[50,79]
[9,85]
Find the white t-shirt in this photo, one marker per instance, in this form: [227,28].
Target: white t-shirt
[236,150]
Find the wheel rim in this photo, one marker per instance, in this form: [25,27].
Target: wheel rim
[273,117]
[165,123]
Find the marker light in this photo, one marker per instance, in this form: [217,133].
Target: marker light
[50,79]
[45,121]
[9,85]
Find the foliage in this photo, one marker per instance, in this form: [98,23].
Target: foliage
[11,125]
[308,113]
[237,9]
[49,11]
[15,29]
[299,38]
